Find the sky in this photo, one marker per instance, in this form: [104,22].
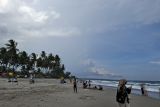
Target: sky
[108,39]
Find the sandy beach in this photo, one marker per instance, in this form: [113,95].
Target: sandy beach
[50,93]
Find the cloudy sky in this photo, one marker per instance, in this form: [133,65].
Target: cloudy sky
[95,38]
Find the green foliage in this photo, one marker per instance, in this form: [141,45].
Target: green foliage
[67,74]
[46,65]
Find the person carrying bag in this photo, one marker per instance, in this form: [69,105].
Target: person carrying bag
[122,94]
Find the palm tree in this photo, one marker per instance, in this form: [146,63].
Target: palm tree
[51,61]
[43,55]
[12,51]
[4,57]
[23,61]
[23,57]
[39,63]
[67,74]
[44,61]
[58,69]
[3,51]
[33,59]
[57,60]
[62,68]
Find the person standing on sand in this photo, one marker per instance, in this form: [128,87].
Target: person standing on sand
[75,85]
[122,94]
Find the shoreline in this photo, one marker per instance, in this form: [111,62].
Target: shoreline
[152,88]
[50,93]
[154,95]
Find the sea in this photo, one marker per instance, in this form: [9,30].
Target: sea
[152,87]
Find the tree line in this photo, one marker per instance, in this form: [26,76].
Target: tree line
[20,62]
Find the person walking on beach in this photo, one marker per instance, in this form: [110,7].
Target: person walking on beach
[143,90]
[122,94]
[75,85]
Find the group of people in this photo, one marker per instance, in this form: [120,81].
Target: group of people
[12,77]
[123,92]
[86,84]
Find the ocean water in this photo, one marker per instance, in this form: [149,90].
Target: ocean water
[152,87]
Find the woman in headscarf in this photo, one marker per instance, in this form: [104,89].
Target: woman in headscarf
[122,94]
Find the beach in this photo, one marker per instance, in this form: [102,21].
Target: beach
[50,93]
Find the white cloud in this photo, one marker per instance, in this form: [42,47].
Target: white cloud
[3,3]
[100,71]
[93,67]
[89,62]
[37,16]
[155,62]
[100,16]
[64,32]
[109,15]
[28,12]
[22,19]
[55,14]
[43,33]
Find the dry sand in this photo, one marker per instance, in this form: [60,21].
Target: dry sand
[50,93]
